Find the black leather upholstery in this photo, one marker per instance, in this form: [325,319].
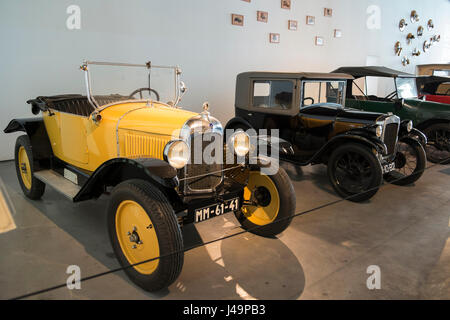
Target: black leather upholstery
[76,103]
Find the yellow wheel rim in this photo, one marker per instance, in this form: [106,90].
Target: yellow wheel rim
[261,215]
[137,236]
[24,167]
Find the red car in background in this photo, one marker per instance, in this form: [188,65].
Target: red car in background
[435,89]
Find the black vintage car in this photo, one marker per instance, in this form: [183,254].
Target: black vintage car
[315,127]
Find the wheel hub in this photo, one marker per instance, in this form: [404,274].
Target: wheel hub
[23,167]
[262,196]
[133,236]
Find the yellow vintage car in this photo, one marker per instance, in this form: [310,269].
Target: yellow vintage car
[142,149]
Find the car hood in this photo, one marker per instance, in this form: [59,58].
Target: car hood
[358,115]
[157,118]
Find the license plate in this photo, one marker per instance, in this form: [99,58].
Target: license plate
[215,210]
[388,168]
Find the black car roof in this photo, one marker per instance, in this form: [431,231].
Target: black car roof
[373,71]
[295,75]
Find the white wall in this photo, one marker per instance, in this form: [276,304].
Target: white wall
[40,56]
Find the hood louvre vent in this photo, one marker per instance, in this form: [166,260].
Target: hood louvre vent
[135,145]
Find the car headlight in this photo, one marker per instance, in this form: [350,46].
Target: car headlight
[379,131]
[409,126]
[177,154]
[240,142]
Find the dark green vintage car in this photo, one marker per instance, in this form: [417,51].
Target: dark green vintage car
[430,117]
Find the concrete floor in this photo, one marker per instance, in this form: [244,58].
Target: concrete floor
[322,255]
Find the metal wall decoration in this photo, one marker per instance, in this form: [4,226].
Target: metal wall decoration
[414,16]
[409,38]
[426,46]
[398,48]
[405,61]
[419,31]
[402,25]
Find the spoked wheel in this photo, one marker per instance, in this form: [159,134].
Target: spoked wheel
[31,187]
[410,162]
[354,172]
[269,204]
[142,226]
[438,147]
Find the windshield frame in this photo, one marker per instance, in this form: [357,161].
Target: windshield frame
[148,65]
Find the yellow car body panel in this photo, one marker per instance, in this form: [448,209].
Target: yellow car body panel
[128,130]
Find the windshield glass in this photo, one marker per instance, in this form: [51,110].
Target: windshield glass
[320,92]
[113,82]
[406,88]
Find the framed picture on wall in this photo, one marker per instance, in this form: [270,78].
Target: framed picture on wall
[262,16]
[337,33]
[292,25]
[319,41]
[274,38]
[237,19]
[327,12]
[310,20]
[286,4]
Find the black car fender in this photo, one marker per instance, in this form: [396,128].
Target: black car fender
[234,122]
[35,129]
[417,135]
[117,170]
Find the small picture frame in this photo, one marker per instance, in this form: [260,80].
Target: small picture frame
[274,38]
[237,19]
[319,41]
[328,12]
[337,33]
[293,25]
[310,20]
[262,16]
[286,4]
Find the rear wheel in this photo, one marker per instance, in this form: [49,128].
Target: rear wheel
[410,163]
[31,187]
[438,147]
[354,172]
[269,204]
[142,226]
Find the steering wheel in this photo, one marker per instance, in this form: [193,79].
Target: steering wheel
[391,95]
[150,90]
[308,98]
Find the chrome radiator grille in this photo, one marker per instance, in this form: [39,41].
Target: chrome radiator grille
[390,135]
[203,177]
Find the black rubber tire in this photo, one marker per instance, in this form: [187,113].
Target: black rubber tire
[429,132]
[285,214]
[421,160]
[37,187]
[377,177]
[167,230]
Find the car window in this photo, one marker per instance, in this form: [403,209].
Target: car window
[320,92]
[273,94]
